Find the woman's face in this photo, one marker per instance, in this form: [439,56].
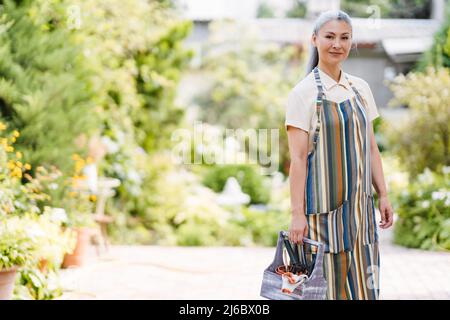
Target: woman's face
[333,41]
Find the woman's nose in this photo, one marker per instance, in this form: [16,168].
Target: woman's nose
[337,44]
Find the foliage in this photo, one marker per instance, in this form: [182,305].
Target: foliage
[251,181]
[16,245]
[248,83]
[33,284]
[396,9]
[135,51]
[193,217]
[423,140]
[264,10]
[378,125]
[45,91]
[52,241]
[31,232]
[439,54]
[29,238]
[163,212]
[47,243]
[297,10]
[424,212]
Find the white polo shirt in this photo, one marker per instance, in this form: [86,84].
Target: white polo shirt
[301,102]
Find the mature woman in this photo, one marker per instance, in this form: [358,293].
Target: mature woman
[334,161]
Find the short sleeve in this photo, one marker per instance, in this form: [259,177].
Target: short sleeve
[297,112]
[371,105]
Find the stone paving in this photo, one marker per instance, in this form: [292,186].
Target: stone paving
[157,272]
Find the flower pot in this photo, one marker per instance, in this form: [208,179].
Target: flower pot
[7,281]
[43,264]
[78,257]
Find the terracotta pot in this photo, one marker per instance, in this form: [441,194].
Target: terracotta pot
[43,263]
[78,257]
[7,281]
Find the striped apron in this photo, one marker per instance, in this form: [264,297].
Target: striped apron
[339,201]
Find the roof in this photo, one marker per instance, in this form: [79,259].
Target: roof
[406,49]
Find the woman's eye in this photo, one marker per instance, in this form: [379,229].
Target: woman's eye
[345,38]
[328,37]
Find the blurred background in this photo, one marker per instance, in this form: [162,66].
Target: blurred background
[111,112]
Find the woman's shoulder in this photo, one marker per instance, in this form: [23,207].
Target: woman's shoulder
[305,87]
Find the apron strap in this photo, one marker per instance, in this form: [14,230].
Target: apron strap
[321,95]
[358,96]
[319,101]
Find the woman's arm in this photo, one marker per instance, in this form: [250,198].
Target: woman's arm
[298,149]
[379,183]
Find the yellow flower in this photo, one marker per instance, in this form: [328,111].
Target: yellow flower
[72,194]
[2,126]
[27,166]
[93,198]
[13,139]
[9,149]
[19,164]
[11,165]
[19,155]
[17,172]
[16,133]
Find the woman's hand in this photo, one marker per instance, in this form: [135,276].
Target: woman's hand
[387,214]
[298,228]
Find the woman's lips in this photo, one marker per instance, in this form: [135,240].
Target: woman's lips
[335,53]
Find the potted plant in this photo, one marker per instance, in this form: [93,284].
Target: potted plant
[81,221]
[16,250]
[53,240]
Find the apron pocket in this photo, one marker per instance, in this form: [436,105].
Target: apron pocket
[369,223]
[335,229]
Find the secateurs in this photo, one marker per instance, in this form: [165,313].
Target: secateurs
[299,264]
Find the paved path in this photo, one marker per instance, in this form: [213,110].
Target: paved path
[156,272]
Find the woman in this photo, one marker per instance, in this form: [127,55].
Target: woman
[334,159]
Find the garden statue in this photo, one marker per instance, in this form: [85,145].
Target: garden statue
[232,194]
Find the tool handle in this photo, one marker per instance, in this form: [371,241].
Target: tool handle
[291,253]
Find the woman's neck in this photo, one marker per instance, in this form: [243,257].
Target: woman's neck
[334,71]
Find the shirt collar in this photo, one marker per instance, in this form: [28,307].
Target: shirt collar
[328,82]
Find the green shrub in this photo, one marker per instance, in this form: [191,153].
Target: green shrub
[423,139]
[424,212]
[195,234]
[251,181]
[264,226]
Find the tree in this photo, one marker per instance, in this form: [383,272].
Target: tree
[45,89]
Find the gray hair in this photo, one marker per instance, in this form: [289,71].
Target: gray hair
[320,21]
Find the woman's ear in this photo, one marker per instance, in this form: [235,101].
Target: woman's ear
[313,40]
